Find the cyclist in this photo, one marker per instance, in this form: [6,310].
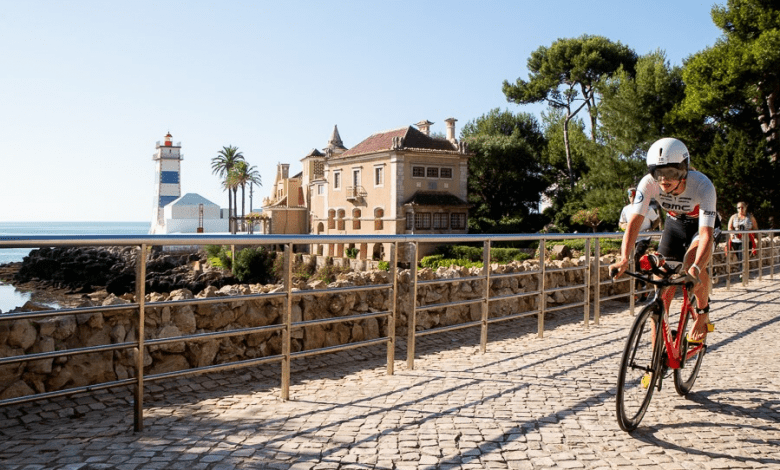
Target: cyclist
[689,199]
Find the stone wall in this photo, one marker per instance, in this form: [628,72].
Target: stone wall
[21,337]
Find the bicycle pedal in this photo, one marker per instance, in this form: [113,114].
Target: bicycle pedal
[646,380]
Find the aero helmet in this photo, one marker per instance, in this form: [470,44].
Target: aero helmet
[668,157]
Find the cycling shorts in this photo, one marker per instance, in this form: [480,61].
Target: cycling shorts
[679,234]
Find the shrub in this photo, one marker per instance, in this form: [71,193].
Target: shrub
[352,252]
[437,261]
[255,265]
[431,261]
[384,266]
[304,270]
[219,256]
[506,255]
[329,272]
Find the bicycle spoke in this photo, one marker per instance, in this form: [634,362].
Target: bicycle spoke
[636,378]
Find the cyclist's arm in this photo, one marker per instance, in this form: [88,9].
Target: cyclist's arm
[629,239]
[731,222]
[753,221]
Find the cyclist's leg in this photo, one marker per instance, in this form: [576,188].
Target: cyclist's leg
[701,291]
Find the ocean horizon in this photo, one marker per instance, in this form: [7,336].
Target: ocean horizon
[10,297]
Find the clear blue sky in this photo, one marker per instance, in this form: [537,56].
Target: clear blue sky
[87,88]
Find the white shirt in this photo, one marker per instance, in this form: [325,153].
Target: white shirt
[697,201]
[650,216]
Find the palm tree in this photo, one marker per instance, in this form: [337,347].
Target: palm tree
[245,174]
[222,165]
[231,184]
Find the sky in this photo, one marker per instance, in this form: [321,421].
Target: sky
[87,88]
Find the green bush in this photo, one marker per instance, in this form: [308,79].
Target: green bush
[219,256]
[255,265]
[383,266]
[471,253]
[352,252]
[474,254]
[506,255]
[437,261]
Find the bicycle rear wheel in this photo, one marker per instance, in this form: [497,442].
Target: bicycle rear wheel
[685,376]
[639,369]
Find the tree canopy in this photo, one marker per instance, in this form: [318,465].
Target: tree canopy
[505,174]
[565,75]
[738,79]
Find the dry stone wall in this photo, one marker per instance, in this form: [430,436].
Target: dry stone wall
[24,337]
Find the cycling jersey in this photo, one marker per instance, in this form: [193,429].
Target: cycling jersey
[696,202]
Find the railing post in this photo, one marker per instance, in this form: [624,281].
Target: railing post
[485,302]
[597,283]
[745,259]
[727,254]
[140,297]
[760,243]
[587,279]
[393,313]
[287,332]
[542,294]
[771,256]
[412,318]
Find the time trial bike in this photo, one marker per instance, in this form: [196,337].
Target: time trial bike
[653,346]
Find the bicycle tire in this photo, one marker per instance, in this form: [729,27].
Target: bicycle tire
[685,377]
[639,369]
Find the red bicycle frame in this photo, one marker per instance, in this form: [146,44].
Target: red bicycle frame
[674,345]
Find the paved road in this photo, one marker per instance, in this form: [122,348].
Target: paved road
[527,403]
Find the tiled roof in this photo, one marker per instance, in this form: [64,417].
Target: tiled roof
[412,139]
[435,198]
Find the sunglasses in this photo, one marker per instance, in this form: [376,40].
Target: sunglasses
[668,173]
[741,207]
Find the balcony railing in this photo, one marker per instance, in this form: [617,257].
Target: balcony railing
[355,192]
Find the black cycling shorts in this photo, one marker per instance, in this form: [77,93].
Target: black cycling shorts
[677,237]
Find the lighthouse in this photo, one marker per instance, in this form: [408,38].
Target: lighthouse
[167,160]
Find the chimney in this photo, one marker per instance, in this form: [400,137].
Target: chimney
[282,171]
[451,130]
[424,126]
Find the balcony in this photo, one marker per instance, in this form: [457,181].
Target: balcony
[355,192]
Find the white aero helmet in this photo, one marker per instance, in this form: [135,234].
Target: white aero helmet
[669,158]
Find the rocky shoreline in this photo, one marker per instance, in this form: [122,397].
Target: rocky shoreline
[69,276]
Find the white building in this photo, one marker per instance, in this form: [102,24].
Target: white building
[193,213]
[174,213]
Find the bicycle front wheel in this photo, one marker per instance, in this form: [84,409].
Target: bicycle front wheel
[685,376]
[638,369]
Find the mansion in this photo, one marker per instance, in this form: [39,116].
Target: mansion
[402,181]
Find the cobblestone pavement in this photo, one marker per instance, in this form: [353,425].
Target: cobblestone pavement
[526,403]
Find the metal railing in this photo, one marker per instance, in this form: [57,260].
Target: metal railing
[590,287]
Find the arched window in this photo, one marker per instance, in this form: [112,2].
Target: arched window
[355,219]
[379,224]
[332,219]
[341,215]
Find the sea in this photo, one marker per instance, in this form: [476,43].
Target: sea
[10,297]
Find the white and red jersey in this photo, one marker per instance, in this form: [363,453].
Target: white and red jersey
[697,201]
